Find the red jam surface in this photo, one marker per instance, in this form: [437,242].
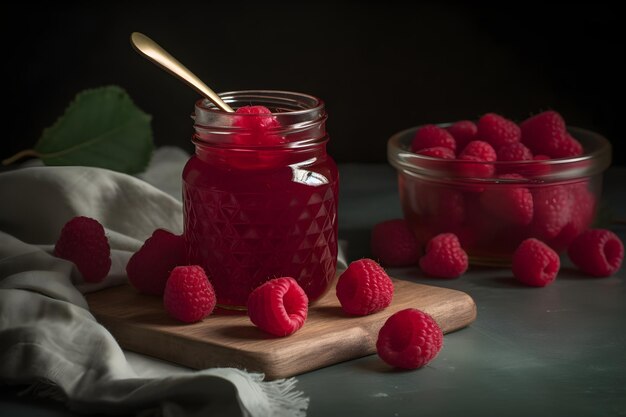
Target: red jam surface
[256,214]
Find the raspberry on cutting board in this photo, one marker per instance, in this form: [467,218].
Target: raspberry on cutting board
[394,244]
[83,242]
[189,296]
[149,268]
[279,306]
[409,339]
[364,288]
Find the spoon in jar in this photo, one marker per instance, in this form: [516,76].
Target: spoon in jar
[151,50]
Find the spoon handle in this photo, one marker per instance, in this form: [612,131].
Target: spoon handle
[151,50]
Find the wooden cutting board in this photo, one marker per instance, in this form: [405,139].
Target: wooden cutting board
[140,324]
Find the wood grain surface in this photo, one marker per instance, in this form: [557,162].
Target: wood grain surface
[140,324]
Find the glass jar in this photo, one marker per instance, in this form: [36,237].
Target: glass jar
[493,206]
[261,203]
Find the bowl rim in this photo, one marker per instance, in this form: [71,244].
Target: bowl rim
[594,162]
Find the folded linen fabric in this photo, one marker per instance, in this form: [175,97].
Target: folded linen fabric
[48,338]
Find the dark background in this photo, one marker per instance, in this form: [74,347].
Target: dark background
[379,67]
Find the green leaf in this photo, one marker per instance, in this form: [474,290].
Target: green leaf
[101,128]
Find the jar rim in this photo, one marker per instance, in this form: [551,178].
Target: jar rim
[316,104]
[596,160]
[297,120]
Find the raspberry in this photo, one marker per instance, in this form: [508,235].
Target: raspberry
[83,242]
[257,121]
[511,203]
[583,208]
[477,151]
[463,132]
[552,210]
[189,296]
[444,258]
[481,150]
[544,133]
[535,263]
[278,306]
[497,130]
[364,288]
[149,268]
[409,339]
[430,136]
[597,252]
[514,152]
[567,148]
[394,244]
[473,167]
[437,152]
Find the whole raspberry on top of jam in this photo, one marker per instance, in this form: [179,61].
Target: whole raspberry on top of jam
[257,124]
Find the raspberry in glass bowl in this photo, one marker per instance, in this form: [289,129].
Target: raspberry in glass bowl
[494,191]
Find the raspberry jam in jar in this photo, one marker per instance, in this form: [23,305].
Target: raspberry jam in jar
[260,195]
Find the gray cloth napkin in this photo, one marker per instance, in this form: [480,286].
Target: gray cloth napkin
[52,343]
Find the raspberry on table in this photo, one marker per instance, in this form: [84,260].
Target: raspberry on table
[279,306]
[189,296]
[150,267]
[83,242]
[463,132]
[437,152]
[444,258]
[510,202]
[597,252]
[535,263]
[394,244]
[409,339]
[364,288]
[497,130]
[430,136]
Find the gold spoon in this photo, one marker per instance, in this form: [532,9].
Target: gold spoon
[151,50]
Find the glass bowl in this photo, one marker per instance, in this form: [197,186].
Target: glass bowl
[493,206]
